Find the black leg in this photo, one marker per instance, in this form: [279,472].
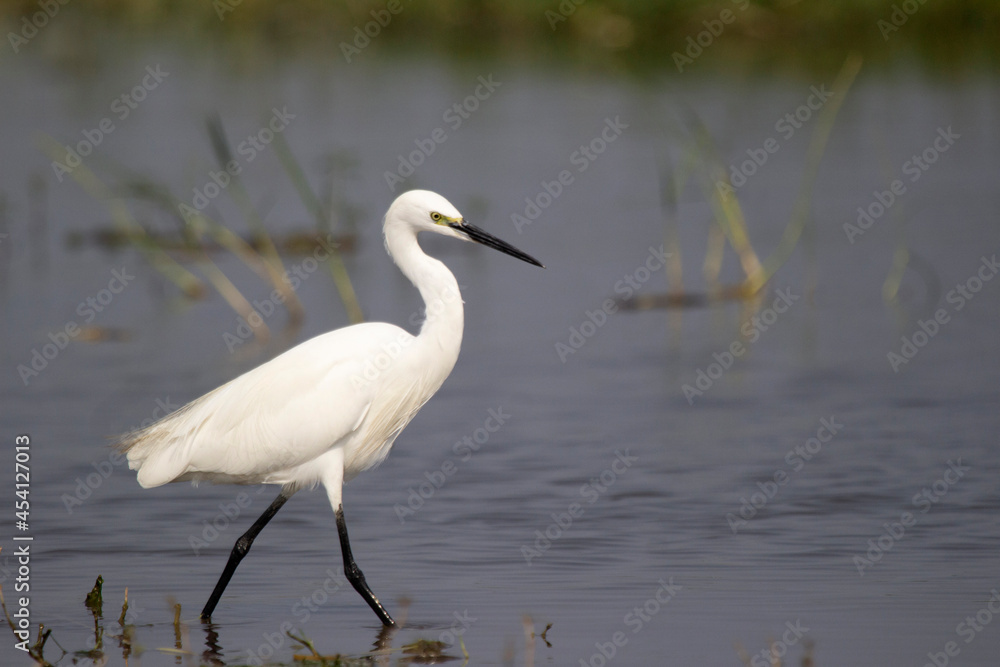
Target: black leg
[354,574]
[240,550]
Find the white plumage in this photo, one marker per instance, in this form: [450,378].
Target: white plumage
[330,407]
[269,424]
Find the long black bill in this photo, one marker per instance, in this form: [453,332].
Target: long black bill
[487,239]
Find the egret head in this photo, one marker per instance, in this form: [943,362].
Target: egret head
[425,211]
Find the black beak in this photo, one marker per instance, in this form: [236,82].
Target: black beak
[487,239]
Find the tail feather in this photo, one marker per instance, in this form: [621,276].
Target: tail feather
[160,452]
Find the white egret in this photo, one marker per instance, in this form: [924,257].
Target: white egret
[328,408]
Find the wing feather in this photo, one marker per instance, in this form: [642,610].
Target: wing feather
[273,418]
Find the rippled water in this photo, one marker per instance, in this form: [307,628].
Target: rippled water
[644,495]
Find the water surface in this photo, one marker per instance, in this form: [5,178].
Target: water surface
[470,558]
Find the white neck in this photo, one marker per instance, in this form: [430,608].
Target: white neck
[445,319]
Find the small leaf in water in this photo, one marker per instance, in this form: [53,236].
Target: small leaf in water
[548,626]
[94,600]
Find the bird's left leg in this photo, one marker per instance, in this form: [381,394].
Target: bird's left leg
[354,574]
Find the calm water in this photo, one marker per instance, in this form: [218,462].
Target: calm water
[662,489]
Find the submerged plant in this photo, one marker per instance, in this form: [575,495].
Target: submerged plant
[729,225]
[200,234]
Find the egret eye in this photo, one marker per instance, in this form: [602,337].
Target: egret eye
[436,217]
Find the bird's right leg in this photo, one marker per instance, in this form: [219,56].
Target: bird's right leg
[333,480]
[240,550]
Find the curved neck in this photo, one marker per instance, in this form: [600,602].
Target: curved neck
[444,318]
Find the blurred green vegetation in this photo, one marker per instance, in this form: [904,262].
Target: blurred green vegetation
[635,33]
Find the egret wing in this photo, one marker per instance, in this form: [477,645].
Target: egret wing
[277,416]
